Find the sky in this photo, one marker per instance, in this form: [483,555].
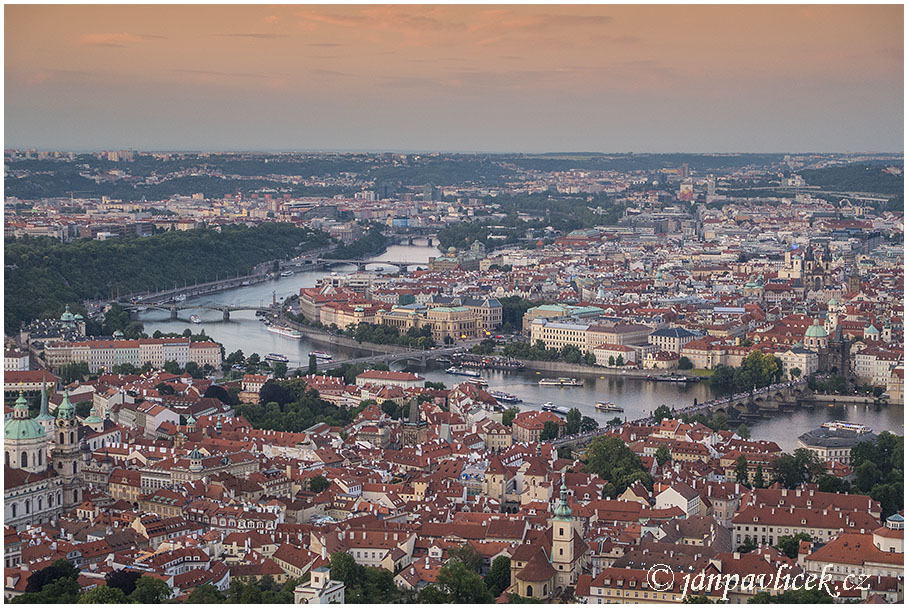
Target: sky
[486,78]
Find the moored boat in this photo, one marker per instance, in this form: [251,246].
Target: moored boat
[288,332]
[561,382]
[462,372]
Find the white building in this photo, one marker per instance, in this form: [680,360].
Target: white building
[321,589]
[15,360]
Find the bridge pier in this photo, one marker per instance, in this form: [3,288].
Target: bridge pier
[173,313]
[225,314]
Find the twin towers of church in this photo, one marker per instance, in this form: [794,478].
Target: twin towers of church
[46,443]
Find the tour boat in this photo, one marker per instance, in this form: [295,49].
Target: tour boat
[463,372]
[321,355]
[561,382]
[508,398]
[609,407]
[551,407]
[847,426]
[195,319]
[287,274]
[276,357]
[288,332]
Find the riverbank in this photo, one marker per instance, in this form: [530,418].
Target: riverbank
[543,366]
[326,338]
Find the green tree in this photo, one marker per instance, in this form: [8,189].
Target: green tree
[743,431]
[614,421]
[589,424]
[550,431]
[509,415]
[75,371]
[759,477]
[164,389]
[789,544]
[150,590]
[866,476]
[279,369]
[663,455]
[206,594]
[499,576]
[620,361]
[313,365]
[795,372]
[685,363]
[456,584]
[573,421]
[748,545]
[123,579]
[611,459]
[662,412]
[466,553]
[172,367]
[318,483]
[741,470]
[103,594]
[611,360]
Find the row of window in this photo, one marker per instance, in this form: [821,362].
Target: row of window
[14,506]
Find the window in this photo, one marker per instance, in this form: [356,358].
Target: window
[23,461]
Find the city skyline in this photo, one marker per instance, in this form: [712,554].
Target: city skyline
[456,78]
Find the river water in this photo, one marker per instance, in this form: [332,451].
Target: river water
[637,397]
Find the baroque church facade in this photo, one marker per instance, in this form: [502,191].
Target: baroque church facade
[43,462]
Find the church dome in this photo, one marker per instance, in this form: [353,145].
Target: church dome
[22,427]
[815,331]
[67,316]
[92,418]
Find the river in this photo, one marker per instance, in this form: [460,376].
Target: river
[637,397]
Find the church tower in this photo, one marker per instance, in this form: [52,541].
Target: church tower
[66,453]
[563,541]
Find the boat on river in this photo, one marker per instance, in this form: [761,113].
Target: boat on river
[288,332]
[561,382]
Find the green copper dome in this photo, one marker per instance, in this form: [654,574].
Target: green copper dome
[67,316]
[66,410]
[815,331]
[92,418]
[22,427]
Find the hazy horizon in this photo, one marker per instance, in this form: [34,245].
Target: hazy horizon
[485,79]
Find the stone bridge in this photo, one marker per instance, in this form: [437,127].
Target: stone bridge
[416,356]
[757,404]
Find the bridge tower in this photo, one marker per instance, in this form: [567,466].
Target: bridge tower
[173,313]
[225,314]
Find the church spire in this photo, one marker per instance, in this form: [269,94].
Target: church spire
[44,413]
[563,511]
